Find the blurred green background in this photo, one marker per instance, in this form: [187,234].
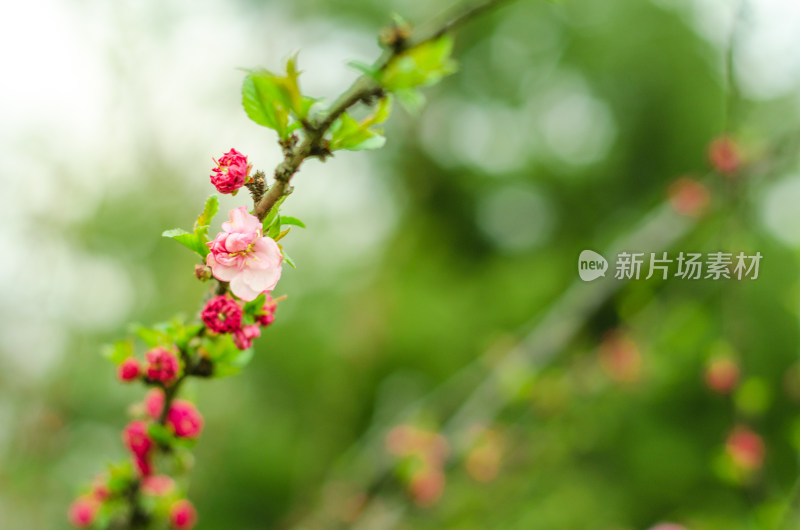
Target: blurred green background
[441,264]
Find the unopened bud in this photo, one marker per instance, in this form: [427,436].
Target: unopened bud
[203,272]
[394,36]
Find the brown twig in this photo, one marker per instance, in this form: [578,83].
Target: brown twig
[364,89]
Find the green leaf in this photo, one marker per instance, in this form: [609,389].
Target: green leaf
[288,259]
[109,510]
[210,209]
[381,113]
[119,351]
[294,221]
[376,141]
[293,127]
[160,434]
[422,65]
[185,334]
[119,480]
[120,475]
[227,358]
[272,216]
[202,223]
[351,135]
[347,133]
[366,69]
[263,101]
[196,241]
[255,305]
[188,240]
[168,333]
[243,359]
[269,99]
[290,88]
[275,229]
[118,485]
[411,99]
[153,337]
[235,365]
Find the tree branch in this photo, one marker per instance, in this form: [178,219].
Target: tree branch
[365,88]
[454,21]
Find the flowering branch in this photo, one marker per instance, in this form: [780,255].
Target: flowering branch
[246,261]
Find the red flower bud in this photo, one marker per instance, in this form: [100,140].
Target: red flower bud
[128,370]
[222,314]
[83,511]
[182,515]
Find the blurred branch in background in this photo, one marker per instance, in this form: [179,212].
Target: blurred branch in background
[658,230]
[551,333]
[497,380]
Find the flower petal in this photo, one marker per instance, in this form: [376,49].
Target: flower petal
[237,242]
[262,279]
[266,249]
[242,222]
[242,289]
[222,272]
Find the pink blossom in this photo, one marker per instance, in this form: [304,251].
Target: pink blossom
[144,465]
[128,370]
[139,443]
[266,319]
[182,515]
[222,314]
[154,403]
[184,419]
[231,173]
[241,255]
[267,314]
[136,438]
[157,485]
[82,511]
[243,338]
[162,365]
